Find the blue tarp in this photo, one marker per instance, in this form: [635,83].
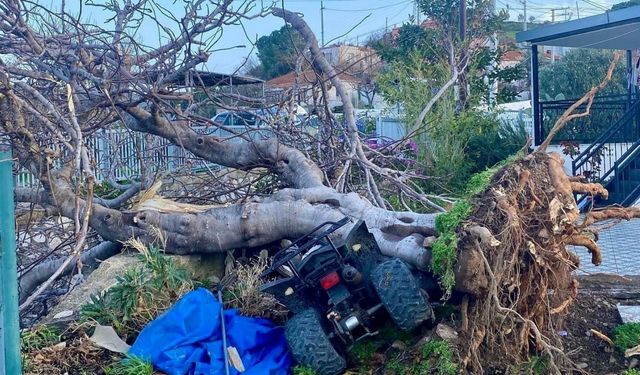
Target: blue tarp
[187,339]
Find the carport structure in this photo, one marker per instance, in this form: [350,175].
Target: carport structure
[609,139]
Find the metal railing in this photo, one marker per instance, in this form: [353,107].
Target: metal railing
[605,111]
[606,158]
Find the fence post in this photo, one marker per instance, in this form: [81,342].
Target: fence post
[10,329]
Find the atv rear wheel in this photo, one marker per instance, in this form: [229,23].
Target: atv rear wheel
[310,344]
[400,294]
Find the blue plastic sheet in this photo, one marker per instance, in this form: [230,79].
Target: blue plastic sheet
[187,339]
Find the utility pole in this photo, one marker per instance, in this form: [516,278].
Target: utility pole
[418,11]
[493,85]
[462,93]
[553,48]
[524,3]
[553,20]
[463,19]
[322,21]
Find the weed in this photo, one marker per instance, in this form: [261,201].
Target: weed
[632,371]
[363,351]
[445,311]
[395,367]
[242,291]
[27,363]
[438,355]
[301,370]
[38,338]
[537,365]
[130,366]
[627,335]
[390,333]
[445,250]
[140,294]
[444,254]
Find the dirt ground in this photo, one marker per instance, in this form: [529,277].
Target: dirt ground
[596,309]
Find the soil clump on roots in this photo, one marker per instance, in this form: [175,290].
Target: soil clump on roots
[517,266]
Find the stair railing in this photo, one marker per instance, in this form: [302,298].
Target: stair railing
[611,150]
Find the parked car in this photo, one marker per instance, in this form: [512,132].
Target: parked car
[340,292]
[243,118]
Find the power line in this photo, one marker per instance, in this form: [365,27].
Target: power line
[370,9]
[595,4]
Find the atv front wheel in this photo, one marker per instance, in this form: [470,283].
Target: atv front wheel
[400,294]
[310,344]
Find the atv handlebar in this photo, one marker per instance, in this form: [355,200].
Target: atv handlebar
[304,243]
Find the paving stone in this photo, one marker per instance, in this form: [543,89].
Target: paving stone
[629,314]
[620,247]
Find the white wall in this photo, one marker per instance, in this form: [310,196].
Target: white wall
[608,158]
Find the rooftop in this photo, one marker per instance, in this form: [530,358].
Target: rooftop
[305,78]
[210,79]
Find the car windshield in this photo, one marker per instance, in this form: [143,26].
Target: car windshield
[244,118]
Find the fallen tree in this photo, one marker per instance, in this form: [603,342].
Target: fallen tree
[507,250]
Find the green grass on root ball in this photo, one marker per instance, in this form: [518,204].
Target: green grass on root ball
[445,249]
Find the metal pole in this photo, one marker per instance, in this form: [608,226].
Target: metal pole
[553,48]
[10,329]
[224,332]
[630,84]
[535,99]
[322,21]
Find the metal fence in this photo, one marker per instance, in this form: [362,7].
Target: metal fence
[394,128]
[121,154]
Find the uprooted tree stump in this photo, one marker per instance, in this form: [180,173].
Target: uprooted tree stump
[514,260]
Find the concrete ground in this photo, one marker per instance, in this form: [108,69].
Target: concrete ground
[620,247]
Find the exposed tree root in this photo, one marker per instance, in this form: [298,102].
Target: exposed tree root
[526,283]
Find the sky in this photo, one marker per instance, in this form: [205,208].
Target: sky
[354,21]
[349,21]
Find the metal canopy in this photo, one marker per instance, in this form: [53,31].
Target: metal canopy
[619,29]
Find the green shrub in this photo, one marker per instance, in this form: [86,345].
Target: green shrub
[627,336]
[140,294]
[632,371]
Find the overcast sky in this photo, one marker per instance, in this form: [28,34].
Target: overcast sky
[346,21]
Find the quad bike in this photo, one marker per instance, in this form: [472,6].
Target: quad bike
[339,293]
